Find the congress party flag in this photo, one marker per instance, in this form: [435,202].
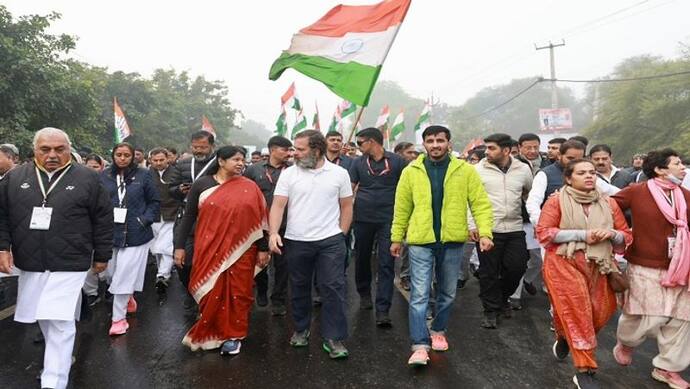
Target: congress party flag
[122,130]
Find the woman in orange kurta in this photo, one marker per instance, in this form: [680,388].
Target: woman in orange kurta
[580,230]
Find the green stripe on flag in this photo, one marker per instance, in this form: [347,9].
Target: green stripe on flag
[351,81]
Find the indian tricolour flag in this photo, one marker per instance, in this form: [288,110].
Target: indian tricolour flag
[382,121]
[122,130]
[207,126]
[300,124]
[289,99]
[281,124]
[315,121]
[398,125]
[346,48]
[423,122]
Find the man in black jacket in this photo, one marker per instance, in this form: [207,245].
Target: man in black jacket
[57,220]
[185,172]
[265,174]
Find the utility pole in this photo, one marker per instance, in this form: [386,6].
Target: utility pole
[554,93]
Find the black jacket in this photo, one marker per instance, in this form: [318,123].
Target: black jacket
[169,204]
[142,203]
[81,226]
[182,173]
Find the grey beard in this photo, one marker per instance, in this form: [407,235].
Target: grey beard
[308,162]
[200,158]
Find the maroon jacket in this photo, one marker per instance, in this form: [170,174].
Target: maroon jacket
[650,228]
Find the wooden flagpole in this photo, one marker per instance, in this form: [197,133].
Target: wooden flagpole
[354,125]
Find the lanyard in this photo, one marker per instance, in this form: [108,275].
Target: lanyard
[268,175]
[386,169]
[194,176]
[121,189]
[50,189]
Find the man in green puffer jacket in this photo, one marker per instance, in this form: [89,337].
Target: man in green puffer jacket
[431,202]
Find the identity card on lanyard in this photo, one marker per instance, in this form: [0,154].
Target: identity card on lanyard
[120,212]
[40,217]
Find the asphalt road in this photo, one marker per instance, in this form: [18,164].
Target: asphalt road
[150,355]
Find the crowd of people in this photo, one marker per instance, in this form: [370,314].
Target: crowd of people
[602,238]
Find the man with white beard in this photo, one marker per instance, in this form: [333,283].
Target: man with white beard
[318,197]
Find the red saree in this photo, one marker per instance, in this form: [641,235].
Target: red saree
[231,218]
[581,298]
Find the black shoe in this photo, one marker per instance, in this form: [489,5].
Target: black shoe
[261,299]
[383,320]
[161,285]
[278,310]
[108,296]
[489,322]
[529,287]
[560,349]
[461,284]
[515,304]
[405,284]
[316,301]
[585,380]
[335,349]
[474,270]
[93,300]
[365,303]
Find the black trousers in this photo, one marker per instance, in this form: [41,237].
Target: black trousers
[501,269]
[326,257]
[365,236]
[185,273]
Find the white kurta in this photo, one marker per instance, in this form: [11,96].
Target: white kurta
[49,296]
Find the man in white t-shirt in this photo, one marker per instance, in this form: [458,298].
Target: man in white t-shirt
[318,197]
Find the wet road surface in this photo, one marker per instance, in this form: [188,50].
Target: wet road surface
[150,355]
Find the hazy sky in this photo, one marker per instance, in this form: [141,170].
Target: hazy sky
[451,48]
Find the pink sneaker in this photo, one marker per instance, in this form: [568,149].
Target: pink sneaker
[419,357]
[439,342]
[673,380]
[119,327]
[622,354]
[131,305]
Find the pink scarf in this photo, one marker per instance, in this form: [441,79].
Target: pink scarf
[678,273]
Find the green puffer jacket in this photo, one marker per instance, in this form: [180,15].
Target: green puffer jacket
[462,189]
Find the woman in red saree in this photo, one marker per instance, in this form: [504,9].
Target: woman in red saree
[580,230]
[230,215]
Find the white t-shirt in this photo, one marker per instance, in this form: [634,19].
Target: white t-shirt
[313,200]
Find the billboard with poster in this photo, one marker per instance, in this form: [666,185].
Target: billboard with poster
[555,119]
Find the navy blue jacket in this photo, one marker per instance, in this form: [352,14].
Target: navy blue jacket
[142,202]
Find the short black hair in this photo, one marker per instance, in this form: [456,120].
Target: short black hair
[172,150]
[480,153]
[529,136]
[502,140]
[316,140]
[257,152]
[226,152]
[598,148]
[279,141]
[400,147]
[201,134]
[572,144]
[514,143]
[570,167]
[559,141]
[333,133]
[434,130]
[371,133]
[141,149]
[580,139]
[158,150]
[657,159]
[93,157]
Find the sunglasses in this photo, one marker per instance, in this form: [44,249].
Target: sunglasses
[361,142]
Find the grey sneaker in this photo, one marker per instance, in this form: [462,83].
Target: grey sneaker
[585,380]
[300,339]
[335,349]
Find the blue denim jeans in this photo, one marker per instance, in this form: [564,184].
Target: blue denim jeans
[422,259]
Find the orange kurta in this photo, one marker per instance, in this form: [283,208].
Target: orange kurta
[582,300]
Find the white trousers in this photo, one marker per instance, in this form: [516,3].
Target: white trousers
[128,268]
[120,306]
[672,337]
[165,264]
[57,360]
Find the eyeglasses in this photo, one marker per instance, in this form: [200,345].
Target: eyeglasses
[361,142]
